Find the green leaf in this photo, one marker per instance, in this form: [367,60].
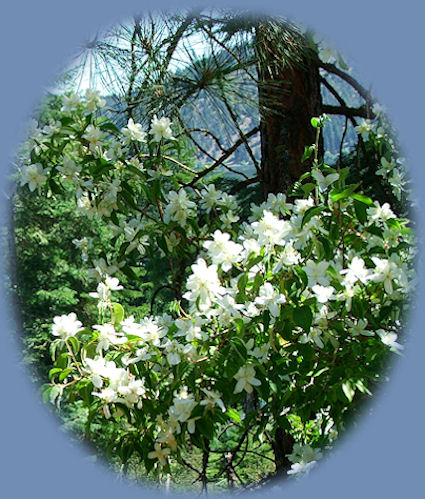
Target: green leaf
[110,127]
[348,390]
[361,211]
[56,188]
[320,371]
[53,347]
[54,393]
[129,272]
[303,317]
[362,388]
[234,414]
[337,195]
[128,198]
[303,276]
[308,151]
[136,171]
[307,188]
[54,371]
[315,122]
[242,282]
[65,373]
[118,312]
[75,344]
[327,249]
[362,198]
[310,213]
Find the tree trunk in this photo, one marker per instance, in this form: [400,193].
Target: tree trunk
[282,444]
[289,96]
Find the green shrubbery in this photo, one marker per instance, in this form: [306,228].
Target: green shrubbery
[215,334]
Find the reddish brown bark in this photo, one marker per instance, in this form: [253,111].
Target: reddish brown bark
[289,96]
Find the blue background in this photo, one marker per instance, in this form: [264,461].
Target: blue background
[385,454]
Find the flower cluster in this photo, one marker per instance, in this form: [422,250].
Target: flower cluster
[271,306]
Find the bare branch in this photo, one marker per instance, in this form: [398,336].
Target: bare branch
[222,158]
[331,68]
[349,112]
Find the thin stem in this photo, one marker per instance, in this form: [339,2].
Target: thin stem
[68,346]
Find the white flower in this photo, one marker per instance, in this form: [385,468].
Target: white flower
[173,349]
[103,291]
[347,294]
[287,258]
[179,207]
[161,129]
[364,129]
[314,335]
[301,468]
[223,251]
[228,309]
[268,297]
[228,202]
[93,100]
[70,102]
[133,132]
[260,353]
[101,269]
[386,271]
[228,219]
[390,339]
[52,128]
[108,395]
[132,390]
[97,370]
[378,212]
[386,167]
[213,399]
[108,336]
[160,454]
[93,135]
[304,453]
[257,211]
[246,379]
[356,271]
[210,197]
[65,326]
[69,168]
[397,181]
[203,284]
[322,181]
[302,205]
[271,230]
[183,404]
[83,244]
[166,436]
[251,246]
[359,327]
[151,330]
[34,176]
[379,110]
[190,329]
[323,293]
[316,273]
[277,204]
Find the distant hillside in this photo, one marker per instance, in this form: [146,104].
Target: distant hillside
[204,109]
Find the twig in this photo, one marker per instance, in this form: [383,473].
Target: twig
[220,160]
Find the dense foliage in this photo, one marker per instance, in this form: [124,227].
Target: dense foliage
[274,322]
